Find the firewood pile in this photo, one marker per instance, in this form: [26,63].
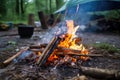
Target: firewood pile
[36,65]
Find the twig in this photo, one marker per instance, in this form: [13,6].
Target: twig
[14,56]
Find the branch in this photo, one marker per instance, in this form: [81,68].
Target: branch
[100,73]
[14,56]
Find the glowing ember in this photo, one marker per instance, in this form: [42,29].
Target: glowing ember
[69,41]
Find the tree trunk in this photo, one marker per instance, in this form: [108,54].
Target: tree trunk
[47,6]
[42,20]
[3,9]
[22,8]
[38,5]
[17,7]
[57,4]
[31,20]
[50,4]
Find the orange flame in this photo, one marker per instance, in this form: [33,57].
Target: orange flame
[70,42]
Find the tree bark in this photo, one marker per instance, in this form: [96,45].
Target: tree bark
[22,7]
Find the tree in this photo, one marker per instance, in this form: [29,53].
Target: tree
[22,7]
[17,8]
[50,4]
[59,3]
[3,9]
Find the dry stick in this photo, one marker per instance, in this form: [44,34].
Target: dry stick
[14,56]
[100,73]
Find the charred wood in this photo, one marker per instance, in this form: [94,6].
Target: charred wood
[48,50]
[78,54]
[68,50]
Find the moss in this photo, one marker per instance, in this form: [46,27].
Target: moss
[108,47]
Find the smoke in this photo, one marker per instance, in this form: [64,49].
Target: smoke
[22,56]
[54,31]
[87,13]
[88,22]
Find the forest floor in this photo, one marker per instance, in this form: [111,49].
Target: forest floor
[9,45]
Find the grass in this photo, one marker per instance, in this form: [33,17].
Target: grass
[108,47]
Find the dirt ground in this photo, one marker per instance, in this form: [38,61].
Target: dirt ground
[9,45]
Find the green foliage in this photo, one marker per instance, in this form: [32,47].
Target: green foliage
[47,6]
[113,14]
[7,7]
[107,47]
[3,7]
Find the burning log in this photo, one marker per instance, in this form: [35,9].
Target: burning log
[88,55]
[68,50]
[14,56]
[48,50]
[100,73]
[78,54]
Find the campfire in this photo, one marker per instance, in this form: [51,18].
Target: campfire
[61,49]
[64,45]
[64,49]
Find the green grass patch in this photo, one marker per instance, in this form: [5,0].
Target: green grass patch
[108,47]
